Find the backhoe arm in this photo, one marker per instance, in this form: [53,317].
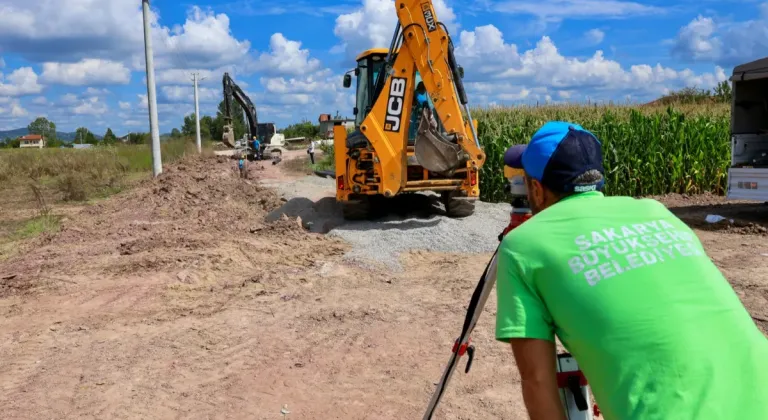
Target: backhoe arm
[421,43]
[232,90]
[431,49]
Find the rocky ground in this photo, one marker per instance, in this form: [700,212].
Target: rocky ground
[201,295]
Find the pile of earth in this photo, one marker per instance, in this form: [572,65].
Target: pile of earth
[198,214]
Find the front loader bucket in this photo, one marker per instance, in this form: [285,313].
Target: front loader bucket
[433,151]
[228,137]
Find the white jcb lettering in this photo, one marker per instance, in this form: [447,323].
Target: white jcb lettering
[394,108]
[395,104]
[398,88]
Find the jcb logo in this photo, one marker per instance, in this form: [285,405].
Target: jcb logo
[429,17]
[395,104]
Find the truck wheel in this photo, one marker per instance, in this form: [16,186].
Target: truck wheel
[457,207]
[358,209]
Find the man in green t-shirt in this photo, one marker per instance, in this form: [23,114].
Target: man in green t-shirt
[630,292]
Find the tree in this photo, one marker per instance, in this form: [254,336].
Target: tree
[81,135]
[302,129]
[189,129]
[43,127]
[175,133]
[54,143]
[238,121]
[138,138]
[109,137]
[207,124]
[90,138]
[723,91]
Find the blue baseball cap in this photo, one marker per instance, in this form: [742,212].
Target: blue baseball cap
[557,154]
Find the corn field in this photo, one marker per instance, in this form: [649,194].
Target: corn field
[646,150]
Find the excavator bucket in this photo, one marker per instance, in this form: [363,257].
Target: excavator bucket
[433,150]
[228,137]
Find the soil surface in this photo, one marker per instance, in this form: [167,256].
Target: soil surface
[177,299]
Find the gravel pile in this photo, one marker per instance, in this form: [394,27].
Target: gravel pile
[382,241]
[379,242]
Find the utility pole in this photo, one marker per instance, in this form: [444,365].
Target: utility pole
[157,163]
[195,79]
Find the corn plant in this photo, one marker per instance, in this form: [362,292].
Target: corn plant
[646,150]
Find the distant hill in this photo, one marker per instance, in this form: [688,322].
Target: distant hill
[65,137]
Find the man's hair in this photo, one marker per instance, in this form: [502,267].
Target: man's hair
[590,177]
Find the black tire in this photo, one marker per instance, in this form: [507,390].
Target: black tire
[457,207]
[357,209]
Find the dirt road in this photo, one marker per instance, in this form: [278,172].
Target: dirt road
[177,300]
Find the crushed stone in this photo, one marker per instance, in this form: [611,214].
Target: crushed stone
[412,224]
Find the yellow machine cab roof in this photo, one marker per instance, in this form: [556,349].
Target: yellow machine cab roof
[372,51]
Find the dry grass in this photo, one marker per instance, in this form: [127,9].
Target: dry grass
[81,174]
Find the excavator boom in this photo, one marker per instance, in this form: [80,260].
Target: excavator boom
[232,90]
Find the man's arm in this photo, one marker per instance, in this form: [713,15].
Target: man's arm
[536,362]
[523,320]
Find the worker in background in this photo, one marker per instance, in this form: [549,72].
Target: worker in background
[241,166]
[420,101]
[257,148]
[311,151]
[630,292]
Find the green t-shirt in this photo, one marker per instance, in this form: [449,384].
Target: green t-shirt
[628,289]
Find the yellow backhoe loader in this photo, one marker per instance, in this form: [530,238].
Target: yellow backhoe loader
[413,129]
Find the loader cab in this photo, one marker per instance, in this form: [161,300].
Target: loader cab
[369,65]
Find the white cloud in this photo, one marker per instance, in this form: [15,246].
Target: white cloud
[22,81]
[91,106]
[484,54]
[184,76]
[52,31]
[496,71]
[285,57]
[186,94]
[2,63]
[143,101]
[86,72]
[594,37]
[40,100]
[205,40]
[555,10]
[124,105]
[726,43]
[91,91]
[68,99]
[374,24]
[17,110]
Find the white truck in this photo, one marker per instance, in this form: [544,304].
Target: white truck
[748,174]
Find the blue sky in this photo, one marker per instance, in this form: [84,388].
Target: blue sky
[80,62]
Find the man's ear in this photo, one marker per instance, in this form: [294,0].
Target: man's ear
[537,192]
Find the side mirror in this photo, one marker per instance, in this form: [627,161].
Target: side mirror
[347,81]
[461,72]
[355,111]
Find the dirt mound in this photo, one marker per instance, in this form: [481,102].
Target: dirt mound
[741,217]
[180,220]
